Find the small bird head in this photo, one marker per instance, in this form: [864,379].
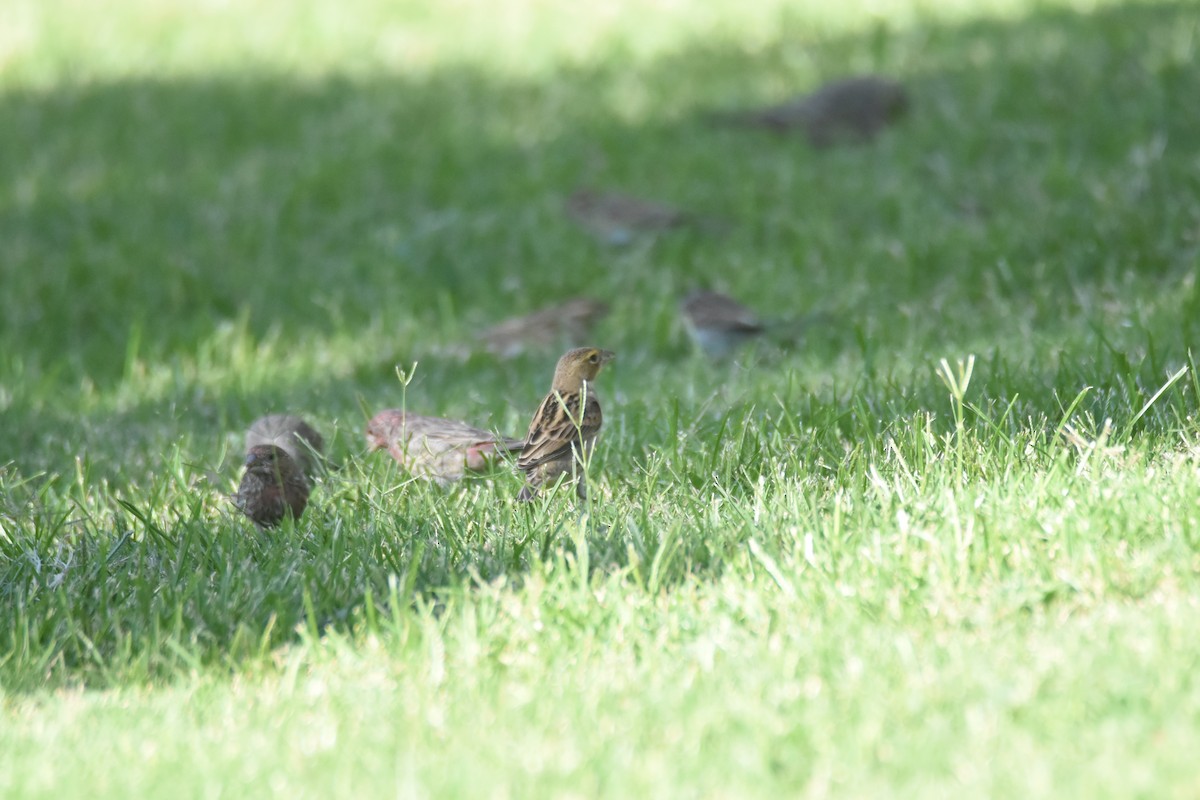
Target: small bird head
[267,459]
[384,427]
[579,365]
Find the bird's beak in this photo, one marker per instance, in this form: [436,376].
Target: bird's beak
[607,356]
[251,459]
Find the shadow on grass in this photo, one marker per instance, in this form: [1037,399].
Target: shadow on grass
[1046,158]
[316,206]
[1044,177]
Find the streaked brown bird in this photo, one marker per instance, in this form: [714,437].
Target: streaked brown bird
[561,325]
[849,109]
[291,433]
[440,449]
[273,486]
[616,218]
[564,428]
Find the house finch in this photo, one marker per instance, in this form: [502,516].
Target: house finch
[616,219]
[435,448]
[854,108]
[290,433]
[566,423]
[273,485]
[564,324]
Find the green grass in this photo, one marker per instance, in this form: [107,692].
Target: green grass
[852,569]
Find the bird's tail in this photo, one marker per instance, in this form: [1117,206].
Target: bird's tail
[791,331]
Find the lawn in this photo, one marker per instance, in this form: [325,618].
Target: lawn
[948,546]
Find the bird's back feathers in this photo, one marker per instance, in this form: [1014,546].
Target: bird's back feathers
[558,426]
[435,447]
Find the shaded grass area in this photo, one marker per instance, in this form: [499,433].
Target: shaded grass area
[388,205]
[838,569]
[332,228]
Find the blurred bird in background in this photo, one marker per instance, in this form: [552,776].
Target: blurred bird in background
[718,324]
[617,219]
[562,325]
[846,110]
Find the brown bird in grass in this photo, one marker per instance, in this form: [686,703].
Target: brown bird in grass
[616,219]
[564,428]
[291,433]
[850,109]
[566,323]
[435,448]
[273,486]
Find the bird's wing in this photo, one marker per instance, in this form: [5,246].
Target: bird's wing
[557,426]
[393,425]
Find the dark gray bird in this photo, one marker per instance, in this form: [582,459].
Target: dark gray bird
[849,109]
[717,323]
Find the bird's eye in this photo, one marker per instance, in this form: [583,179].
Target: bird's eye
[594,358]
